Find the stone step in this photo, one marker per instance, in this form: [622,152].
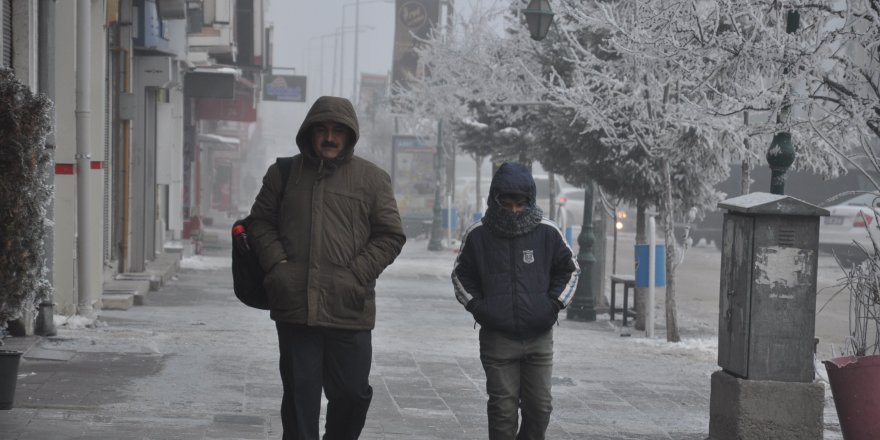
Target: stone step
[154,279]
[130,286]
[136,288]
[117,301]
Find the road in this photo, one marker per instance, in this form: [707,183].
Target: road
[697,297]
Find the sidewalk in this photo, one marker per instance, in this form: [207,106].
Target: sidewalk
[193,363]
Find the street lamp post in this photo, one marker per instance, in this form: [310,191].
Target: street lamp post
[339,34]
[583,306]
[357,19]
[781,153]
[321,67]
[539,17]
[357,4]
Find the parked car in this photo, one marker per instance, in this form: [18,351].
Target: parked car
[849,224]
[542,184]
[804,185]
[571,207]
[571,203]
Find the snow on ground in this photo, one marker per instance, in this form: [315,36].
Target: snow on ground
[73,322]
[707,345]
[202,262]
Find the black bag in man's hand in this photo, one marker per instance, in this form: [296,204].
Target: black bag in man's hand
[247,275]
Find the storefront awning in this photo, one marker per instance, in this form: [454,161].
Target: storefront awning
[211,82]
[218,141]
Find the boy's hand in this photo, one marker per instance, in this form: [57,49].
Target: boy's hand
[558,304]
[472,305]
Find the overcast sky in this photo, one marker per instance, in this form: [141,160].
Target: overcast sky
[304,38]
[299,27]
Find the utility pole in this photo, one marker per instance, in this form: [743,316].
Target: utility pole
[84,248]
[357,24]
[434,243]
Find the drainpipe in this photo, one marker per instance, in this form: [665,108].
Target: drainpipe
[84,251]
[123,87]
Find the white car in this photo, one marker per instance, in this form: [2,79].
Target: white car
[465,195]
[852,223]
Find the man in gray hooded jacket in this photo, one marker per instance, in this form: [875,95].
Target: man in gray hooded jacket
[323,245]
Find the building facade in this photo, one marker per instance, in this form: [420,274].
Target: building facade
[173,90]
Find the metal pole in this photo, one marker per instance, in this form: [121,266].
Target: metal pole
[583,305]
[434,243]
[46,84]
[84,251]
[335,59]
[781,153]
[357,25]
[321,69]
[652,256]
[448,220]
[342,52]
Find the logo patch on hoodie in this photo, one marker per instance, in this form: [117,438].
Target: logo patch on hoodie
[528,256]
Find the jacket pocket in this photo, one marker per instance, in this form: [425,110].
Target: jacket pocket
[538,312]
[495,313]
[347,300]
[286,288]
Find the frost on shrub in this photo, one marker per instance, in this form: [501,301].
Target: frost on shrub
[24,198]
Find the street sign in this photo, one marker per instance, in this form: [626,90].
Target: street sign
[290,88]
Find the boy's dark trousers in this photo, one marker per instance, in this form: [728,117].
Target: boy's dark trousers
[336,360]
[519,375]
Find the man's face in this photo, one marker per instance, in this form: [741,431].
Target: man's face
[515,203]
[329,139]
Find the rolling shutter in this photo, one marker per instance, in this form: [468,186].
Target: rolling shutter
[6,29]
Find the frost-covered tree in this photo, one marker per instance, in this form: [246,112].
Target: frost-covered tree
[654,99]
[681,81]
[470,68]
[645,141]
[847,91]
[24,198]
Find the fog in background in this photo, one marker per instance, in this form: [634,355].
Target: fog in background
[304,37]
[307,39]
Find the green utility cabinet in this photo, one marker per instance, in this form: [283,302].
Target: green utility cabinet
[767,316]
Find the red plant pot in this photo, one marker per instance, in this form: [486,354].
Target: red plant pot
[855,384]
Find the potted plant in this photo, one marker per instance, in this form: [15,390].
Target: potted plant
[855,375]
[24,197]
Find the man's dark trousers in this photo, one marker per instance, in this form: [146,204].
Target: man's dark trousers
[337,360]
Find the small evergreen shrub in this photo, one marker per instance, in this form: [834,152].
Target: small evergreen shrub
[24,198]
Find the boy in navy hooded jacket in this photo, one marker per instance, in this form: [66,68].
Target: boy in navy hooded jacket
[514,274]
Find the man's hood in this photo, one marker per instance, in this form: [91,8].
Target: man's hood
[512,178]
[328,109]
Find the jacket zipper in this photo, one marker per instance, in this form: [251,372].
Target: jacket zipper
[513,248]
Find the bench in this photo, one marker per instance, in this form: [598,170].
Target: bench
[629,284]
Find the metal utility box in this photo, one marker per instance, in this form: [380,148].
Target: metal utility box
[767,316]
